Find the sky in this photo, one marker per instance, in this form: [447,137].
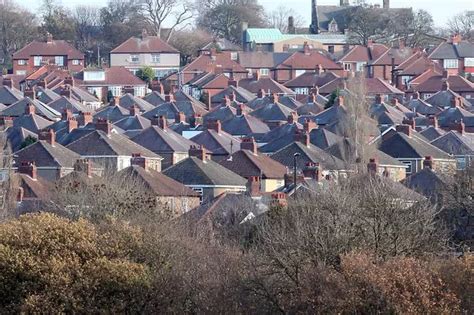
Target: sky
[440,10]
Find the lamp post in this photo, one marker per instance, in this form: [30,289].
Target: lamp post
[295,157]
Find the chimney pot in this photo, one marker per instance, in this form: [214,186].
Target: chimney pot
[71,124]
[406,129]
[180,118]
[28,168]
[85,118]
[49,136]
[214,125]
[428,162]
[30,109]
[198,151]
[309,125]
[254,186]
[139,160]
[103,125]
[248,143]
[313,170]
[134,110]
[372,166]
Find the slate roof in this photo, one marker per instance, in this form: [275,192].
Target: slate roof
[272,112]
[79,94]
[154,98]
[160,140]
[113,113]
[9,96]
[247,164]
[309,153]
[260,59]
[221,44]
[264,83]
[401,146]
[193,171]
[447,50]
[18,109]
[241,94]
[221,143]
[54,48]
[452,115]
[128,100]
[444,98]
[46,95]
[136,122]
[300,60]
[422,107]
[221,113]
[310,79]
[281,132]
[158,183]
[245,125]
[290,102]
[98,143]
[33,122]
[170,109]
[16,136]
[426,182]
[431,133]
[46,155]
[328,116]
[63,103]
[148,44]
[386,114]
[455,143]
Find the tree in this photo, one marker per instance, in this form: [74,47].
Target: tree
[224,18]
[29,140]
[463,24]
[57,21]
[87,28]
[364,23]
[17,28]
[189,42]
[278,18]
[157,12]
[147,74]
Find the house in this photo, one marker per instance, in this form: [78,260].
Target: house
[263,173]
[438,82]
[115,81]
[111,150]
[205,176]
[309,80]
[31,105]
[171,196]
[33,191]
[274,113]
[459,144]
[358,58]
[243,124]
[51,159]
[455,55]
[412,68]
[54,52]
[146,51]
[162,140]
[384,67]
[233,93]
[9,94]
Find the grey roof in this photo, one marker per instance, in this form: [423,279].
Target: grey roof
[18,109]
[426,182]
[446,50]
[452,115]
[422,107]
[62,103]
[241,94]
[162,140]
[222,44]
[328,116]
[272,112]
[79,94]
[154,98]
[309,153]
[245,125]
[456,143]
[221,143]
[33,123]
[444,98]
[193,171]
[386,114]
[113,113]
[9,96]
[290,102]
[98,143]
[431,133]
[128,100]
[259,59]
[221,113]
[46,95]
[136,122]
[46,155]
[400,146]
[281,131]
[16,137]
[168,109]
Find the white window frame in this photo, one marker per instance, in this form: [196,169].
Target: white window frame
[302,91]
[134,58]
[156,58]
[450,63]
[347,66]
[37,60]
[59,61]
[116,90]
[409,164]
[234,56]
[20,72]
[265,72]
[139,91]
[21,62]
[360,66]
[75,62]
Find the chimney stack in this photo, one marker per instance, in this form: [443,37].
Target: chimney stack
[29,109]
[240,109]
[69,81]
[49,38]
[318,69]
[30,92]
[139,160]
[134,110]
[309,125]
[180,118]
[386,4]
[66,114]
[162,122]
[83,166]
[261,93]
[372,166]
[49,136]
[8,82]
[253,186]
[169,98]
[313,171]
[292,118]
[214,125]
[406,129]
[196,120]
[456,102]
[6,122]
[306,48]
[291,25]
[144,33]
[248,143]
[198,151]
[85,118]
[71,124]
[274,98]
[428,162]
[28,168]
[103,125]
[340,100]
[66,91]
[456,39]
[460,127]
[433,121]
[115,101]
[279,200]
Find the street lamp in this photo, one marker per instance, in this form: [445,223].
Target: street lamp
[295,157]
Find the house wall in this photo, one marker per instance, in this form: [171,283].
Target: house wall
[51,174]
[177,206]
[29,67]
[167,61]
[395,173]
[269,185]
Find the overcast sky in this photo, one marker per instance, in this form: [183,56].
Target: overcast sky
[441,10]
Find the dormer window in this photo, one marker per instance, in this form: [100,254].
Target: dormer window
[37,61]
[450,63]
[333,27]
[94,75]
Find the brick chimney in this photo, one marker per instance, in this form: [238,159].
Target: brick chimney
[49,136]
[6,122]
[406,129]
[378,99]
[66,114]
[411,122]
[162,122]
[69,81]
[340,100]
[71,124]
[233,97]
[248,143]
[134,110]
[115,101]
[28,168]
[309,125]
[292,118]
[83,166]
[456,39]
[395,102]
[196,120]
[214,125]
[155,120]
[313,171]
[445,85]
[460,127]
[103,125]
[386,4]
[306,48]
[240,109]
[318,69]
[49,38]
[279,200]
[139,160]
[227,101]
[433,121]
[180,118]
[144,33]
[428,162]
[85,118]
[416,95]
[370,43]
[169,98]
[66,91]
[253,186]
[8,82]
[456,102]
[304,138]
[372,166]
[261,93]
[274,98]
[199,151]
[29,109]
[30,92]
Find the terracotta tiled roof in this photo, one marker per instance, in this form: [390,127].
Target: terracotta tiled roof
[399,55]
[218,62]
[364,54]
[54,48]
[456,83]
[149,44]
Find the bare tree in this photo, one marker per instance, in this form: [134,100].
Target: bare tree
[189,42]
[463,24]
[278,18]
[157,12]
[87,26]
[8,182]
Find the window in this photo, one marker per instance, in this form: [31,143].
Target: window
[139,91]
[21,72]
[331,49]
[360,66]
[450,63]
[134,58]
[469,62]
[461,163]
[233,56]
[427,96]
[347,66]
[21,62]
[302,91]
[155,58]
[37,61]
[94,75]
[200,191]
[409,166]
[59,60]
[264,71]
[75,62]
[116,90]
